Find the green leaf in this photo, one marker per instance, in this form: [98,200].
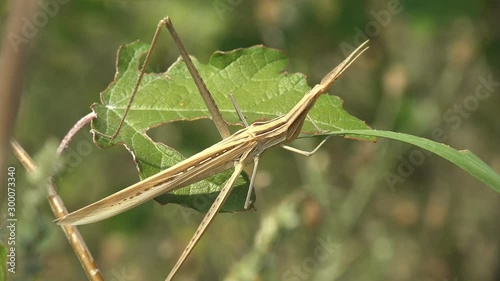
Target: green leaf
[464,159]
[254,76]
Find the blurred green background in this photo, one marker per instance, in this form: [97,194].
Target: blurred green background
[347,221]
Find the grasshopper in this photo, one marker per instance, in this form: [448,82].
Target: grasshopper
[236,151]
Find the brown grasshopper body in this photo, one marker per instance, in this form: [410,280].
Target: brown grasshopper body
[236,151]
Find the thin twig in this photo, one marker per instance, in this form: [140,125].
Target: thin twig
[75,129]
[72,234]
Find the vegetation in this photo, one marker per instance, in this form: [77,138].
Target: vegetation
[355,211]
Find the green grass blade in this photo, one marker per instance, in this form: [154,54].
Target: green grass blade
[464,159]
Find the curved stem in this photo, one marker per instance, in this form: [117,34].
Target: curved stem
[75,129]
